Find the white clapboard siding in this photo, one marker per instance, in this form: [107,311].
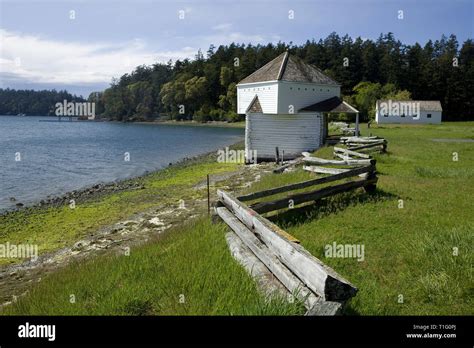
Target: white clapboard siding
[301,95]
[292,134]
[267,93]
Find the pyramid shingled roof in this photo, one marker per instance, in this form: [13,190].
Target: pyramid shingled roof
[287,67]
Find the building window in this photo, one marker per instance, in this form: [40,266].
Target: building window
[321,90]
[428,115]
[386,115]
[305,89]
[403,115]
[299,88]
[291,87]
[313,89]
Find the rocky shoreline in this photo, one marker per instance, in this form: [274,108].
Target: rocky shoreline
[119,237]
[100,189]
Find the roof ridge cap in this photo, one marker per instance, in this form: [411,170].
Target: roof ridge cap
[256,71]
[283,65]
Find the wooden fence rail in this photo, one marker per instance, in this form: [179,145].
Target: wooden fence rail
[273,191]
[323,161]
[299,198]
[318,286]
[317,276]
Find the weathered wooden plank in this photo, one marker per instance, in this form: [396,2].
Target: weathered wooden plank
[299,198]
[264,278]
[325,170]
[346,173]
[337,162]
[317,276]
[363,141]
[282,168]
[266,281]
[363,138]
[344,157]
[358,147]
[351,152]
[325,308]
[269,259]
[366,146]
[354,139]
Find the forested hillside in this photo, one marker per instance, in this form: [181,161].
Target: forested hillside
[204,88]
[30,102]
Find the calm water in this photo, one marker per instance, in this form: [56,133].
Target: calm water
[57,157]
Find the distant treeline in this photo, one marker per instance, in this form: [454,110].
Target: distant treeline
[30,102]
[204,88]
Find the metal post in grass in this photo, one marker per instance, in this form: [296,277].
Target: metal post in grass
[208,197]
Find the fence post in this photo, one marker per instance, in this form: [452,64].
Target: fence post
[208,197]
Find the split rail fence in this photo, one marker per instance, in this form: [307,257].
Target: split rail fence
[318,286]
[322,290]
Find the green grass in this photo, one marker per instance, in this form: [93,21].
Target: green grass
[408,251]
[189,271]
[57,227]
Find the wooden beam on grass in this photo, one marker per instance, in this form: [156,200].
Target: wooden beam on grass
[317,276]
[344,157]
[360,139]
[325,308]
[366,146]
[346,173]
[351,152]
[282,168]
[358,147]
[337,162]
[325,170]
[268,258]
[299,198]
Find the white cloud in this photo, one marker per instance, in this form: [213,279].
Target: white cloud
[222,27]
[236,37]
[40,60]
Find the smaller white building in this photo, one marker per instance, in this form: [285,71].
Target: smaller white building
[408,111]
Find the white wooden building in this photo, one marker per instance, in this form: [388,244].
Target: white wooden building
[285,103]
[409,111]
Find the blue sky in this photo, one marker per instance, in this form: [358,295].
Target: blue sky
[42,47]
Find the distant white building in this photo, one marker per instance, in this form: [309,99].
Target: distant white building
[409,111]
[285,102]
